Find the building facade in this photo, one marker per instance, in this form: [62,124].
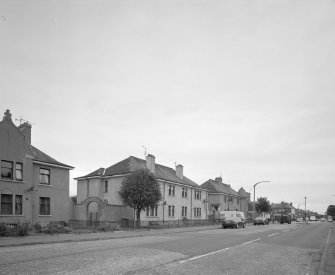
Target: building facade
[98,193]
[33,186]
[282,208]
[222,197]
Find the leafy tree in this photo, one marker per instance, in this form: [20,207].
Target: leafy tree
[263,205]
[140,190]
[331,210]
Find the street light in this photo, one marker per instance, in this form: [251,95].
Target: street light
[255,192]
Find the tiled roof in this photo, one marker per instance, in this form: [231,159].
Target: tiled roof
[42,157]
[281,205]
[216,187]
[132,164]
[243,193]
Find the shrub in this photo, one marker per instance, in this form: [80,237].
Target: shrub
[20,229]
[4,232]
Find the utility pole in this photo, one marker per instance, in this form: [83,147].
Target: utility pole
[305,210]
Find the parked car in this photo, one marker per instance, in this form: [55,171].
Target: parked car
[261,220]
[232,219]
[322,220]
[330,219]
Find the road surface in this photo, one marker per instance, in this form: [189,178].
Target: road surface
[270,249]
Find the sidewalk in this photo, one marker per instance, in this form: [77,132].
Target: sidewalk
[64,238]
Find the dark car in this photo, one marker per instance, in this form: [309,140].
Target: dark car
[261,220]
[285,219]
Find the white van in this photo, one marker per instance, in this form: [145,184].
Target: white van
[232,219]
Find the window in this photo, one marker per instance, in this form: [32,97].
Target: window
[106,186]
[171,190]
[184,193]
[152,211]
[171,210]
[238,200]
[6,204]
[225,198]
[197,212]
[44,176]
[18,171]
[184,211]
[6,169]
[44,206]
[18,204]
[197,194]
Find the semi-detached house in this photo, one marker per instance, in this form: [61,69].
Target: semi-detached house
[98,193]
[34,187]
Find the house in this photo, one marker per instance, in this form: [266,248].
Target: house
[222,197]
[98,193]
[34,187]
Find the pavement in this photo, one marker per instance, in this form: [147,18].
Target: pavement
[65,238]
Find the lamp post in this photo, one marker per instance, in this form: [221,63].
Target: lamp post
[305,210]
[255,192]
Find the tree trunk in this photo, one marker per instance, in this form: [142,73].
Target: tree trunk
[138,218]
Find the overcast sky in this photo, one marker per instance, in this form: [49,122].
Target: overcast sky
[242,89]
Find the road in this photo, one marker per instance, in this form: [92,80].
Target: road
[270,249]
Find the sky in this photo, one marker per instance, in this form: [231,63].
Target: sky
[239,89]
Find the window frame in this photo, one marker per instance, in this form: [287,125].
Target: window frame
[45,206]
[44,174]
[18,170]
[18,205]
[6,203]
[106,186]
[4,168]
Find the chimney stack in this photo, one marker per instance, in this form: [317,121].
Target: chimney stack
[179,171]
[218,179]
[25,129]
[150,161]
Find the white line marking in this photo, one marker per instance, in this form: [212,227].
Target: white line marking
[286,230]
[251,241]
[273,234]
[218,251]
[204,255]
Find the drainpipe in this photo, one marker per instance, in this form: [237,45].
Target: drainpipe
[191,203]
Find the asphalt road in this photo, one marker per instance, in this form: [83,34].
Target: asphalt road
[270,249]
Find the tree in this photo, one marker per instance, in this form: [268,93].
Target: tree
[331,210]
[263,205]
[140,190]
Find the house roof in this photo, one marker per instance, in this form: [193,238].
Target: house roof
[132,164]
[42,157]
[38,155]
[243,193]
[281,205]
[218,187]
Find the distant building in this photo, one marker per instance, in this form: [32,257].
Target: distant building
[34,187]
[222,197]
[98,193]
[282,208]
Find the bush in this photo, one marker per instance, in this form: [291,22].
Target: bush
[20,229]
[4,232]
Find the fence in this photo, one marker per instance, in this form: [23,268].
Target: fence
[126,224]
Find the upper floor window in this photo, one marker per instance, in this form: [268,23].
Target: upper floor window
[184,193]
[19,171]
[44,176]
[197,194]
[106,186]
[171,190]
[6,169]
